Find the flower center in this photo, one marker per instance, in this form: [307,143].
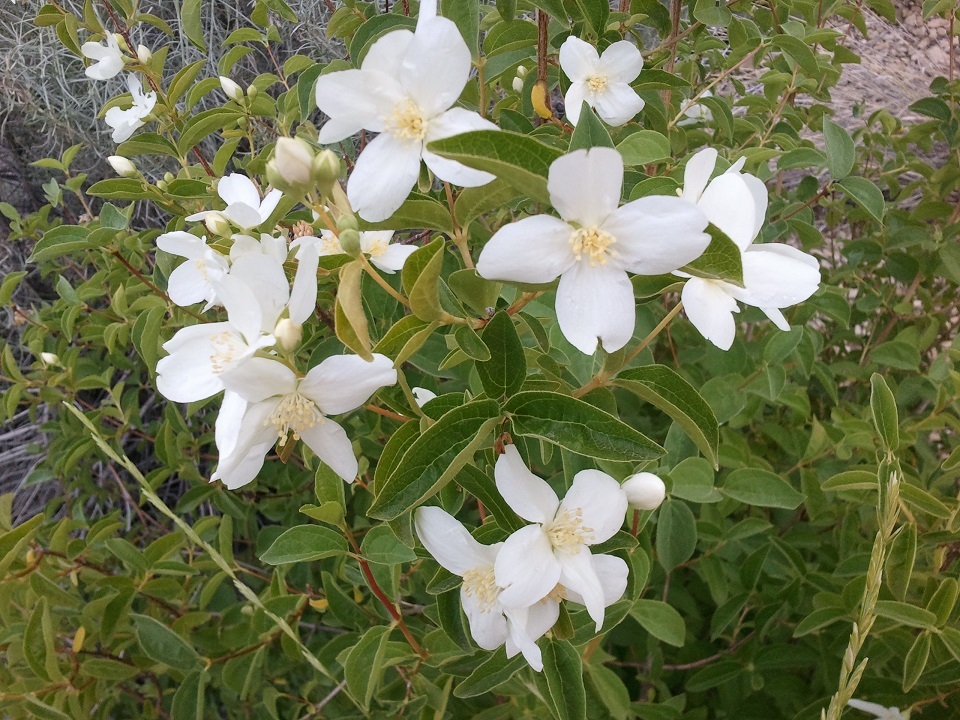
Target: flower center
[597,83]
[330,245]
[201,265]
[408,122]
[377,248]
[294,414]
[479,582]
[226,348]
[567,530]
[558,593]
[592,242]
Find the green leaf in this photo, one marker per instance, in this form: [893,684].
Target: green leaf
[421,280]
[474,291]
[883,406]
[722,260]
[754,486]
[304,543]
[306,83]
[470,343]
[799,52]
[692,479]
[578,426]
[503,374]
[163,645]
[472,202]
[676,534]
[515,158]
[434,458]
[660,620]
[507,9]
[38,642]
[851,480]
[416,213]
[819,619]
[906,614]
[595,12]
[608,686]
[491,673]
[942,602]
[148,144]
[466,15]
[916,661]
[189,699]
[644,147]
[374,28]
[563,671]
[865,194]
[590,131]
[203,124]
[482,487]
[712,13]
[666,390]
[350,321]
[119,189]
[190,22]
[381,545]
[39,709]
[363,667]
[900,560]
[60,241]
[922,500]
[9,285]
[841,152]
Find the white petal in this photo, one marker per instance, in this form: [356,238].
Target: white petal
[573,101]
[94,51]
[447,540]
[578,59]
[342,383]
[520,640]
[759,191]
[697,174]
[330,443]
[241,304]
[243,215]
[383,177]
[392,259]
[454,122]
[601,502]
[187,373]
[532,250]
[264,280]
[710,309]
[618,104]
[777,318]
[579,575]
[239,470]
[182,243]
[729,204]
[237,188]
[657,234]
[596,303]
[188,284]
[257,378]
[355,100]
[436,66]
[488,626]
[541,617]
[269,204]
[385,54]
[777,276]
[621,61]
[526,567]
[878,710]
[585,185]
[241,465]
[612,573]
[303,295]
[229,422]
[526,494]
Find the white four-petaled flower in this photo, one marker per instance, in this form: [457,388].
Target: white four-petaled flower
[385,255]
[775,275]
[109,58]
[405,90]
[274,405]
[245,208]
[594,245]
[193,281]
[126,122]
[602,81]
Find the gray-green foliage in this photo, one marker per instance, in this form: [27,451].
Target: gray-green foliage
[144,591]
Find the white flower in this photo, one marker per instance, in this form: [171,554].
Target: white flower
[697,112]
[388,257]
[272,246]
[881,712]
[603,81]
[404,90]
[193,281]
[422,395]
[645,491]
[535,559]
[244,208]
[775,275]
[109,59]
[126,122]
[122,166]
[594,246]
[276,405]
[491,624]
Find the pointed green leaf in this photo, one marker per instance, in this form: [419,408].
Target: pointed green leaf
[304,543]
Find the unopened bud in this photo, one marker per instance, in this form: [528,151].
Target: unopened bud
[252,92]
[168,177]
[347,221]
[121,43]
[143,54]
[288,333]
[521,71]
[78,639]
[423,396]
[350,242]
[218,225]
[294,162]
[50,359]
[326,170]
[231,89]
[645,491]
[518,84]
[123,166]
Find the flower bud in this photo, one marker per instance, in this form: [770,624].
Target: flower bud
[50,359]
[122,166]
[326,170]
[294,162]
[518,84]
[347,222]
[168,177]
[645,491]
[422,395]
[231,89]
[288,333]
[252,92]
[521,72]
[350,242]
[143,54]
[217,224]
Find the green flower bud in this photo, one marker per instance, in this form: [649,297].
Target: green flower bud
[218,225]
[326,170]
[350,242]
[347,222]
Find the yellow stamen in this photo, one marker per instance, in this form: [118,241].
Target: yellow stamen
[592,242]
[567,531]
[479,582]
[597,83]
[226,348]
[377,248]
[294,414]
[407,122]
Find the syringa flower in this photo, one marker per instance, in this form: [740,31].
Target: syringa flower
[274,405]
[603,81]
[245,208]
[126,122]
[593,245]
[193,281]
[491,624]
[556,550]
[775,275]
[879,711]
[405,90]
[375,244]
[109,59]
